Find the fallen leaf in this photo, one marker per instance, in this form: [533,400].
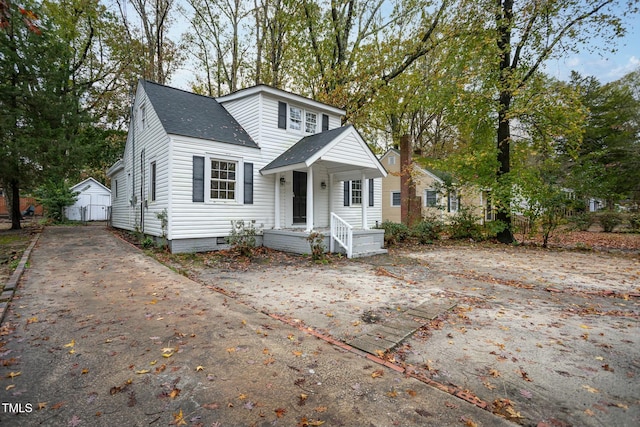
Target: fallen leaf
[199,368]
[58,405]
[590,389]
[302,399]
[242,396]
[178,419]
[412,393]
[153,362]
[167,355]
[10,386]
[13,374]
[42,405]
[71,344]
[320,409]
[269,361]
[488,385]
[174,393]
[32,320]
[231,349]
[377,373]
[494,373]
[297,353]
[589,412]
[392,394]
[280,412]
[468,422]
[85,371]
[212,405]
[585,327]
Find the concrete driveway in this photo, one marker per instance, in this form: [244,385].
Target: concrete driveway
[98,334]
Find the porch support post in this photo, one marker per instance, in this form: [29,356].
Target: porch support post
[330,189]
[365,201]
[276,201]
[310,198]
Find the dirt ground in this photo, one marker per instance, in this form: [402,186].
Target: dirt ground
[544,337]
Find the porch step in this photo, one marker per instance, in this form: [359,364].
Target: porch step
[370,252]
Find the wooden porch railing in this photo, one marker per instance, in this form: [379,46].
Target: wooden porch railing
[341,232]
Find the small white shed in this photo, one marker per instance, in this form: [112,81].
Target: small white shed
[93,204]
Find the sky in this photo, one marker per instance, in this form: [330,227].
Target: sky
[605,67]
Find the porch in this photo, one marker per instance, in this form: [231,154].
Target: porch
[363,242]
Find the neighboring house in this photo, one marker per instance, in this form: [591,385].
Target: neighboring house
[261,154]
[437,198]
[93,204]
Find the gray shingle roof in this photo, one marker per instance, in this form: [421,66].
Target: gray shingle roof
[305,148]
[188,114]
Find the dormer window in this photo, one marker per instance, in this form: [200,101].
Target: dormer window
[311,122]
[299,120]
[295,118]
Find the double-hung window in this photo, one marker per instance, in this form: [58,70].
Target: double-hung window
[356,192]
[395,198]
[311,122]
[153,181]
[430,198]
[223,180]
[295,118]
[453,201]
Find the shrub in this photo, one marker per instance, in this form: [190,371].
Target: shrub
[465,225]
[147,242]
[316,242]
[394,232]
[428,230]
[243,237]
[609,220]
[582,221]
[54,197]
[634,222]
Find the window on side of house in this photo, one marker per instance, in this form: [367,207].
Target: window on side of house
[115,188]
[310,122]
[223,179]
[143,116]
[295,118]
[356,192]
[153,181]
[395,198]
[453,201]
[430,198]
[391,160]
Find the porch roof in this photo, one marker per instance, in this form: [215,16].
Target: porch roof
[325,147]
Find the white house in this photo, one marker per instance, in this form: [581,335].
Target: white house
[260,154]
[93,203]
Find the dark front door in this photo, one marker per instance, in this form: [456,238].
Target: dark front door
[299,197]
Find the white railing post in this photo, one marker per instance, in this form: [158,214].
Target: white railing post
[341,232]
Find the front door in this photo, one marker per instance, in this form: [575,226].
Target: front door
[299,197]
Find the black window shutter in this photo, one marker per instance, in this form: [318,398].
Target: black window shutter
[347,193]
[198,179]
[325,122]
[448,202]
[371,192]
[248,183]
[282,115]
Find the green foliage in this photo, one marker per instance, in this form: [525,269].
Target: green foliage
[394,232]
[609,220]
[634,222]
[147,242]
[582,221]
[54,196]
[428,230]
[465,225]
[316,242]
[242,237]
[164,221]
